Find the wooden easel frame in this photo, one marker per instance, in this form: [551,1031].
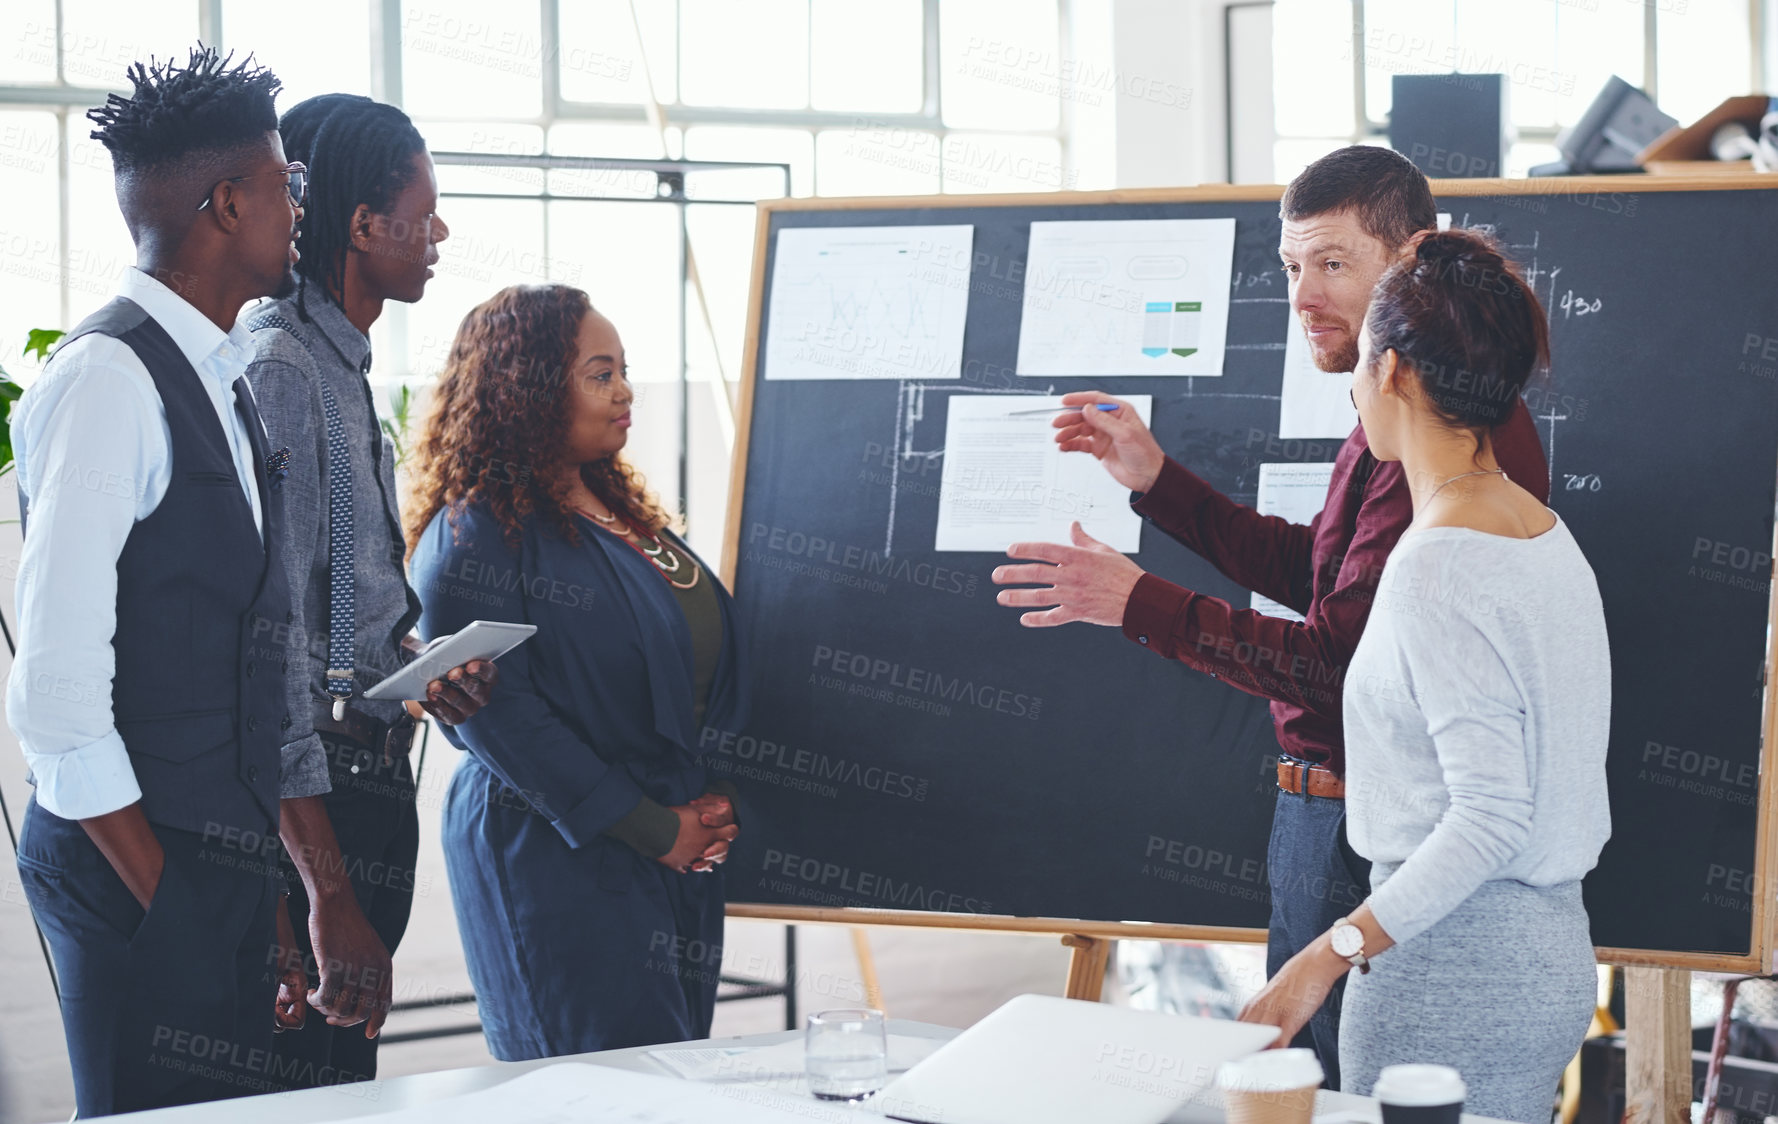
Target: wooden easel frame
[1090,940]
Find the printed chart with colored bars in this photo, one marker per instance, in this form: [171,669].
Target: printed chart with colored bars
[1127,297]
[1172,327]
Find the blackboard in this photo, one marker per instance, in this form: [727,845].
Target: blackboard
[913,748]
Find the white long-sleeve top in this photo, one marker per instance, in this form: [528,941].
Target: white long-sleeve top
[1477,712]
[94,455]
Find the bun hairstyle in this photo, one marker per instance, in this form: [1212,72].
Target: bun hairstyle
[1458,313]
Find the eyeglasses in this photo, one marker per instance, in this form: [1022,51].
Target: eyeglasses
[298,183]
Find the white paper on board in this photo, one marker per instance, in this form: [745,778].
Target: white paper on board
[1127,297]
[868,302]
[1313,403]
[1006,482]
[1296,492]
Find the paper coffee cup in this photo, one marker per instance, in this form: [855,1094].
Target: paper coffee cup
[1420,1094]
[1271,1087]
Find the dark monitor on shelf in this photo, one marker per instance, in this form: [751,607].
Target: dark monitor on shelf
[1620,123]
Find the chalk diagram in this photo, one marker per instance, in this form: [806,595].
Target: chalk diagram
[1536,274]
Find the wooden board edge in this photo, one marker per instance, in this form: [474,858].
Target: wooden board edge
[1678,961]
[1155,931]
[994,923]
[1588,185]
[1208,193]
[1765,858]
[1250,193]
[737,477]
[1763,930]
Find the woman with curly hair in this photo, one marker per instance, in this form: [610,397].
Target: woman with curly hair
[581,834]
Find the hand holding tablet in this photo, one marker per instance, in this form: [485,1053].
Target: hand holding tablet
[479,640]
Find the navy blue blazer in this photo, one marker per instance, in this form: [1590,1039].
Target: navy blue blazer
[595,710]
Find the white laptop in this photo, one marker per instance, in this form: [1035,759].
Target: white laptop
[1040,1059]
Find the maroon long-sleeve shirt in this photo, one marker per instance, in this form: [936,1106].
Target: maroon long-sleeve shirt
[1328,571]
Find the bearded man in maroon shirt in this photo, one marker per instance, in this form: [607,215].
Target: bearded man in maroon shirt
[1345,219]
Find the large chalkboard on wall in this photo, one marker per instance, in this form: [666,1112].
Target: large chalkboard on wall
[913,748]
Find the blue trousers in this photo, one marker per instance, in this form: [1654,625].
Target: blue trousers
[1316,879]
[574,949]
[165,1007]
[378,829]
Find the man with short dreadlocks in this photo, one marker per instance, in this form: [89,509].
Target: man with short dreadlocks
[369,234]
[148,693]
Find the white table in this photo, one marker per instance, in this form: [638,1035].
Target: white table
[343,1102]
[367,1098]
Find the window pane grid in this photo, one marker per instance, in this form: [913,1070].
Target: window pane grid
[1556,57]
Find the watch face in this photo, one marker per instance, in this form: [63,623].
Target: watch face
[1348,940]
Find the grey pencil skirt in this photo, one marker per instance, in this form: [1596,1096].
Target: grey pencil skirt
[1503,989]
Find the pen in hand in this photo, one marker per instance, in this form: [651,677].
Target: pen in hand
[1107,407]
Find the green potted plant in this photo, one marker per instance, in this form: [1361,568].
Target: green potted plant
[38,342]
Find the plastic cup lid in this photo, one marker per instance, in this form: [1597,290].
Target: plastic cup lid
[1413,1085]
[1271,1071]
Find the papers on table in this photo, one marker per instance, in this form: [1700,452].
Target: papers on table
[863,302]
[774,1063]
[1313,402]
[1295,492]
[1006,482]
[574,1092]
[708,1063]
[1127,297]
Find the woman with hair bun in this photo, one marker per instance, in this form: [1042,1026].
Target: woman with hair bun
[581,833]
[1477,708]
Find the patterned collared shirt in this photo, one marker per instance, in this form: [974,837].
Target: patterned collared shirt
[316,344]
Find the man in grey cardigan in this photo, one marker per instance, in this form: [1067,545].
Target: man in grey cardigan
[370,236]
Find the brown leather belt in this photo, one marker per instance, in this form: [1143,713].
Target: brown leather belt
[392,738]
[1298,777]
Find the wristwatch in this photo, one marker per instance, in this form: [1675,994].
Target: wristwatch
[1348,942]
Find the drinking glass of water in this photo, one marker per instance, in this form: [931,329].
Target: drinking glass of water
[846,1054]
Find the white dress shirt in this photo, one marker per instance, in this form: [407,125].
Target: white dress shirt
[94,456]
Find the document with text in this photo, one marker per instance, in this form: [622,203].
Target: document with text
[1005,481]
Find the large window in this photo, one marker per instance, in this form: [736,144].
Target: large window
[1333,61]
[886,97]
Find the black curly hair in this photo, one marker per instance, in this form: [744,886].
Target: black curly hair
[181,129]
[362,152]
[176,111]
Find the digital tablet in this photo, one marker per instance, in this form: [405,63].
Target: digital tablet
[478,640]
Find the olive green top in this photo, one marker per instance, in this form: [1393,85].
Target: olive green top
[649,827]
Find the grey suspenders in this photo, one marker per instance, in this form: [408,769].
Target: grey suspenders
[342,592]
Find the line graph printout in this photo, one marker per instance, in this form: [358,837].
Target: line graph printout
[1127,297]
[864,302]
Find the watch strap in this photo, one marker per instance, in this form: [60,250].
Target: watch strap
[1357,959]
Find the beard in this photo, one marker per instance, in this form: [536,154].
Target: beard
[1342,359]
[286,284]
